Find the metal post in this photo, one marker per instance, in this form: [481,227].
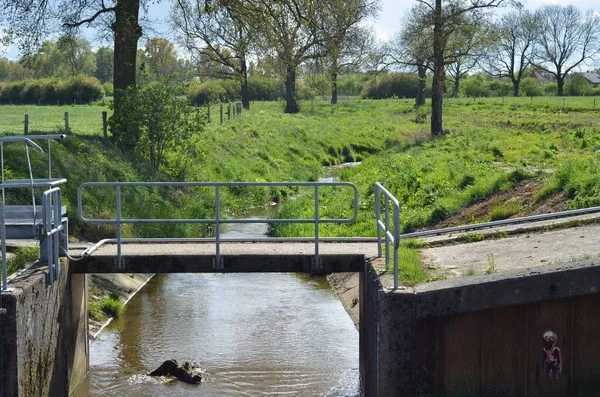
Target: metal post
[105,124]
[221,112]
[119,262]
[217,228]
[3,237]
[378,219]
[396,244]
[26,125]
[56,201]
[229,111]
[208,113]
[387,228]
[317,265]
[48,256]
[66,121]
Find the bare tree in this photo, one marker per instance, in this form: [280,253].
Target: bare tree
[220,31]
[565,39]
[511,49]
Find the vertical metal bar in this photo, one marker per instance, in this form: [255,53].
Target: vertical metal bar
[317,265]
[378,218]
[387,228]
[119,262]
[217,227]
[2,160]
[49,161]
[48,239]
[56,201]
[3,237]
[396,243]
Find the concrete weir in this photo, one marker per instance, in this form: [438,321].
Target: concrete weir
[44,334]
[531,332]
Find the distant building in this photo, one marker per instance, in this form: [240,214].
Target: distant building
[592,77]
[542,77]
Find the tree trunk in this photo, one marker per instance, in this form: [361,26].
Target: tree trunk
[437,93]
[456,86]
[291,106]
[516,86]
[127,32]
[245,92]
[422,72]
[334,88]
[560,85]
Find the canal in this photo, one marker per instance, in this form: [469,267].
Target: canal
[253,334]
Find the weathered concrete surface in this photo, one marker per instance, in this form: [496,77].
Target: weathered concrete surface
[516,252]
[237,257]
[394,338]
[44,333]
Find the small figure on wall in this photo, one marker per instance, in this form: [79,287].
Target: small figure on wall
[552,357]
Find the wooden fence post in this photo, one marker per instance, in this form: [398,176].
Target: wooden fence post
[229,111]
[105,124]
[26,125]
[208,113]
[66,121]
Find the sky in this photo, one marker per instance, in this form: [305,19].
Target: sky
[386,25]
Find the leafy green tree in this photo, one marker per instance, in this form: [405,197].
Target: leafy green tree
[76,55]
[104,64]
[344,41]
[161,57]
[289,34]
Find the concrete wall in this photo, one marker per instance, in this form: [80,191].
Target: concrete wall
[44,334]
[478,336]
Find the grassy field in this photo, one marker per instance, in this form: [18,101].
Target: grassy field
[511,157]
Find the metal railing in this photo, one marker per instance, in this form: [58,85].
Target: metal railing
[52,227]
[48,182]
[119,221]
[393,236]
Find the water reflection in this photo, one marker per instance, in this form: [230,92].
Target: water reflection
[254,334]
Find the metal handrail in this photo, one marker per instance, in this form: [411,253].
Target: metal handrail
[52,226]
[217,220]
[396,237]
[391,235]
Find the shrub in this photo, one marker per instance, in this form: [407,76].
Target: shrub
[400,85]
[108,88]
[475,87]
[351,84]
[153,123]
[208,92]
[112,306]
[577,85]
[80,88]
[265,88]
[531,87]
